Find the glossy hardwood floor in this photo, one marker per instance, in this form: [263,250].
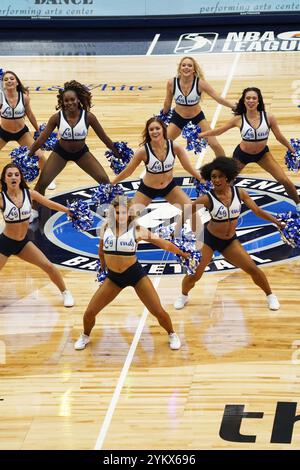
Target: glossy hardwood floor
[235,351]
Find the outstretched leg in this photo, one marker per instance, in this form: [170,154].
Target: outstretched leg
[189,281]
[3,260]
[102,297]
[269,164]
[53,166]
[236,255]
[173,131]
[148,295]
[92,167]
[32,254]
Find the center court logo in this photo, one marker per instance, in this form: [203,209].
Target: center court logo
[76,250]
[195,42]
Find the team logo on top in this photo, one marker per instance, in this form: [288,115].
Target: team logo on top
[195,42]
[77,250]
[249,134]
[7,112]
[67,133]
[13,214]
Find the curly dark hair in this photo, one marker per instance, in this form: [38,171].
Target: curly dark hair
[23,183]
[83,94]
[20,86]
[241,108]
[225,165]
[146,135]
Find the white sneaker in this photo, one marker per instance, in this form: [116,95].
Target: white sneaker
[68,298]
[174,341]
[273,303]
[33,215]
[181,301]
[52,185]
[82,341]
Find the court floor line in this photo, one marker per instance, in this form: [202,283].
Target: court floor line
[153,44]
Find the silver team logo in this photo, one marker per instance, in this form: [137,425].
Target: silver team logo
[195,42]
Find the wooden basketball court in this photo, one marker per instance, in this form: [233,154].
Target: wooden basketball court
[127,389]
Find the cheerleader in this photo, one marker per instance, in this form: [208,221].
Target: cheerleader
[255,125]
[224,204]
[15,203]
[119,238]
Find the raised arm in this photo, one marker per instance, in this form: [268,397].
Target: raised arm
[277,132]
[234,122]
[169,96]
[144,234]
[205,86]
[139,157]
[29,112]
[51,124]
[185,161]
[257,210]
[35,196]
[100,132]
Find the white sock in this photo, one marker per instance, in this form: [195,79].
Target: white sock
[185,297]
[298,207]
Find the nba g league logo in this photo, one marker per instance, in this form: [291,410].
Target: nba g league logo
[261,239]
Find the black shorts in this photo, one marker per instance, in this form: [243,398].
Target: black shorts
[152,193]
[216,243]
[245,158]
[129,277]
[70,156]
[180,121]
[12,136]
[9,246]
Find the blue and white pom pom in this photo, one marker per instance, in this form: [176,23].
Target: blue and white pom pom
[203,188]
[290,234]
[28,165]
[81,216]
[292,160]
[190,132]
[118,164]
[101,274]
[186,243]
[50,142]
[188,246]
[165,231]
[105,193]
[165,117]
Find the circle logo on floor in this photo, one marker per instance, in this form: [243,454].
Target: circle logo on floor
[77,250]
